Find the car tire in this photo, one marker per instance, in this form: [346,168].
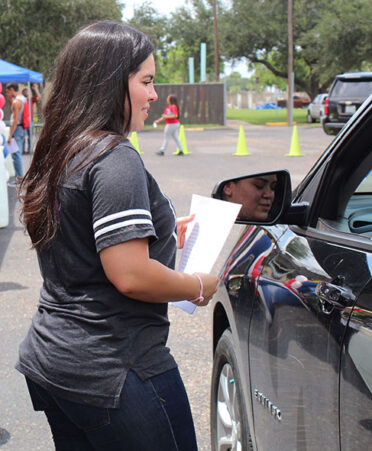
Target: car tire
[309,118]
[328,131]
[229,421]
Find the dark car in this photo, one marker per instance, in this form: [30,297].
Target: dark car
[292,318]
[347,93]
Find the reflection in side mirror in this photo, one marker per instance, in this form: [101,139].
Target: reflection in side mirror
[264,196]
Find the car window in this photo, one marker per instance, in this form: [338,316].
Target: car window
[365,186]
[353,88]
[345,199]
[355,202]
[358,212]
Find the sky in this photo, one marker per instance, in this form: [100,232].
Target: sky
[163,6]
[169,6]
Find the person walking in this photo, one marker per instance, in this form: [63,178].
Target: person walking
[36,96]
[95,356]
[172,125]
[16,127]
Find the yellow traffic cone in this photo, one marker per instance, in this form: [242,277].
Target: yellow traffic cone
[134,140]
[242,145]
[295,150]
[182,138]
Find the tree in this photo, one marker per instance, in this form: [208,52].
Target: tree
[154,25]
[189,27]
[169,59]
[266,78]
[172,67]
[235,82]
[34,31]
[329,37]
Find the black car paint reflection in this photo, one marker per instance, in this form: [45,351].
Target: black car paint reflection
[292,319]
[272,277]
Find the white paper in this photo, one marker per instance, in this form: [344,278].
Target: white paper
[205,237]
[12,147]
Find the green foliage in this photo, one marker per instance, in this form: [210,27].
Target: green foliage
[235,82]
[329,37]
[265,78]
[258,117]
[171,61]
[177,38]
[189,27]
[34,31]
[148,20]
[172,67]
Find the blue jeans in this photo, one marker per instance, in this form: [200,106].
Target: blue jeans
[19,136]
[154,415]
[28,139]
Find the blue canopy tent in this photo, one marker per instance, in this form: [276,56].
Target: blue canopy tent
[12,72]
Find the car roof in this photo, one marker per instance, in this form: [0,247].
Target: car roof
[322,94]
[355,75]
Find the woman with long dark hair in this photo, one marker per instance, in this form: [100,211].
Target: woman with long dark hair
[95,357]
[172,125]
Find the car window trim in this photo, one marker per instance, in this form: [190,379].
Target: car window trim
[333,236]
[333,153]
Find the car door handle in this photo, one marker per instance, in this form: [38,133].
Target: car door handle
[234,284]
[333,294]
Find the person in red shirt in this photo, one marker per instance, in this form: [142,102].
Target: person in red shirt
[172,125]
[36,96]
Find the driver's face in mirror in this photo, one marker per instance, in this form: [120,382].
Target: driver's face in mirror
[256,194]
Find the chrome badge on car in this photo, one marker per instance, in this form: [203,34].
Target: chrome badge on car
[275,411]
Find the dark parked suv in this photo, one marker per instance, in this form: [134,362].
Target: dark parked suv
[347,93]
[292,317]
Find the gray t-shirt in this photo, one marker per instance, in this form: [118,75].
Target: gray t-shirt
[85,335]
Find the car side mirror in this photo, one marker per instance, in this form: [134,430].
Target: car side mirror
[265,196]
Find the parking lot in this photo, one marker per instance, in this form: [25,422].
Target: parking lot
[211,158]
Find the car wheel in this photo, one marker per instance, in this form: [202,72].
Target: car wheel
[328,131]
[309,118]
[229,421]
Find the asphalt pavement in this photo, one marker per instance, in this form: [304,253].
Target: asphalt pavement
[211,159]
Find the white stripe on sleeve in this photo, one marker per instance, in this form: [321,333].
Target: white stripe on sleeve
[118,225]
[120,214]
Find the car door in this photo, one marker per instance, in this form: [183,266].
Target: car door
[311,319]
[316,106]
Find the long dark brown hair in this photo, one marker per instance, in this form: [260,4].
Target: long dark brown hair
[85,105]
[173,101]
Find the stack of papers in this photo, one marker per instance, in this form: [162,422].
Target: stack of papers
[12,147]
[205,237]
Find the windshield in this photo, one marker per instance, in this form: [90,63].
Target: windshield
[352,88]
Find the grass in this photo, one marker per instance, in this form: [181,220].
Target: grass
[161,126]
[259,117]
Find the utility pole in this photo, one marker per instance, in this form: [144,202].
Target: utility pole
[216,51]
[290,64]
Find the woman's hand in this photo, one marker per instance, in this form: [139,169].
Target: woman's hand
[181,229]
[209,288]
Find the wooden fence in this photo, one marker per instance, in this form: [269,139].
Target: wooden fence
[200,103]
